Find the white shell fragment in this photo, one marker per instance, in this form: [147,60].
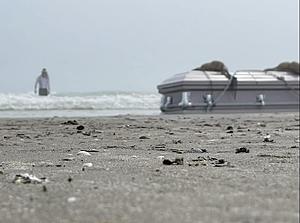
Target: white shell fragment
[72,199]
[27,178]
[87,165]
[84,153]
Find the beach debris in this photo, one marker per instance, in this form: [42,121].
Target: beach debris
[176,141]
[72,199]
[27,179]
[242,150]
[84,153]
[178,151]
[205,161]
[160,157]
[23,136]
[143,137]
[229,131]
[86,165]
[80,127]
[261,124]
[111,147]
[90,150]
[68,159]
[222,163]
[86,133]
[196,150]
[211,158]
[160,146]
[70,122]
[1,172]
[207,125]
[177,161]
[267,138]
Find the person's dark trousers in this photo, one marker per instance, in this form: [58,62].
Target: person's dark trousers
[43,92]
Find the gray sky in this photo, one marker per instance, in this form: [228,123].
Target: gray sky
[96,45]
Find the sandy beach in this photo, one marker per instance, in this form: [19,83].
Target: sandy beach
[165,168]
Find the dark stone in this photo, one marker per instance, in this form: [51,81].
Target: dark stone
[242,150]
[268,140]
[70,122]
[229,128]
[68,159]
[80,127]
[144,137]
[167,162]
[70,179]
[220,161]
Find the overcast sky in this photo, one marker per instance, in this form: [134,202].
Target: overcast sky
[96,45]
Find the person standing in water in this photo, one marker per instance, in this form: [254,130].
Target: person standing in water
[43,82]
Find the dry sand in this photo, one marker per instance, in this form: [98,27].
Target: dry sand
[128,181]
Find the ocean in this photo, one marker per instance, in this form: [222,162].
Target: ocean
[75,104]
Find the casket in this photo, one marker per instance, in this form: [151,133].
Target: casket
[242,91]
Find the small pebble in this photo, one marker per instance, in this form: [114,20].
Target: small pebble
[144,137]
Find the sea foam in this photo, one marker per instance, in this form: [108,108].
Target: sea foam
[80,101]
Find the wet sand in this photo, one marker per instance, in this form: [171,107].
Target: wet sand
[125,179]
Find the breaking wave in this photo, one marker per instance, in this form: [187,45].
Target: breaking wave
[80,101]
